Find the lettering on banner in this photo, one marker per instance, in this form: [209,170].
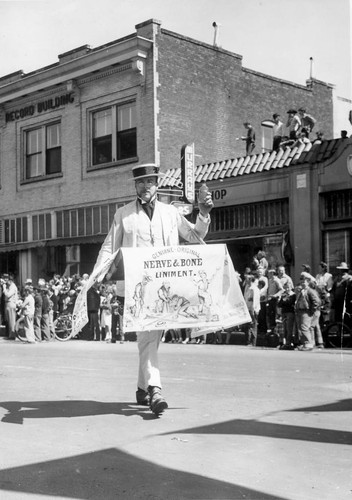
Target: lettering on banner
[181,287]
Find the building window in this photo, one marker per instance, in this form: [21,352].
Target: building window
[87,221]
[41,227]
[337,205]
[43,151]
[337,247]
[114,134]
[14,230]
[242,219]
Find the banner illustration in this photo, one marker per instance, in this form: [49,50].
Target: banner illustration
[192,286]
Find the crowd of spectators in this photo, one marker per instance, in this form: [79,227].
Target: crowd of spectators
[295,132]
[282,313]
[293,315]
[35,308]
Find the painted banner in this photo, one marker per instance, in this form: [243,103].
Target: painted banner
[191,286]
[80,312]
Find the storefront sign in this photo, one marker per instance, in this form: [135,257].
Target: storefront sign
[187,172]
[301,181]
[40,107]
[183,208]
[219,194]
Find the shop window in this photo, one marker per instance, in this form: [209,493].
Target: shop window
[85,221]
[253,216]
[114,134]
[337,205]
[42,151]
[41,227]
[15,230]
[337,247]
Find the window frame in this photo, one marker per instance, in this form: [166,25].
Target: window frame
[44,152]
[115,157]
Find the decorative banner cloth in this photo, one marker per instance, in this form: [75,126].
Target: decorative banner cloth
[191,286]
[80,312]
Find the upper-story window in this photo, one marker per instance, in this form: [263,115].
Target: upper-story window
[42,151]
[114,134]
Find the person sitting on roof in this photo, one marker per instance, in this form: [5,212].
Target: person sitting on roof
[286,142]
[302,138]
[293,123]
[307,121]
[319,139]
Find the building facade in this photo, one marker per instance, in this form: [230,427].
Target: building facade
[295,204]
[71,132]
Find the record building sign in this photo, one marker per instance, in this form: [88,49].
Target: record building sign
[40,107]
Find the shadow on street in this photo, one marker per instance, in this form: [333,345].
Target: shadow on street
[111,473]
[19,411]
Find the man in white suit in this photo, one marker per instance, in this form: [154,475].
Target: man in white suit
[146,222]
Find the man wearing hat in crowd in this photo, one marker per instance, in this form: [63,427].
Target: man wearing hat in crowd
[146,222]
[307,303]
[46,308]
[38,312]
[10,293]
[27,314]
[307,269]
[342,294]
[324,278]
[293,123]
[275,290]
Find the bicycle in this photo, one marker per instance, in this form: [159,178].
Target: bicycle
[63,327]
[337,335]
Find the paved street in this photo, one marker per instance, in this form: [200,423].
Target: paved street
[243,423]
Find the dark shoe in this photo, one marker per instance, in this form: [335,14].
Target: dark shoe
[142,397]
[287,347]
[157,402]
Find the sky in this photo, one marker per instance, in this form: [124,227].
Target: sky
[275,37]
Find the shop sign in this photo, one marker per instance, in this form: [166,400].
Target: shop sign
[187,172]
[40,107]
[301,181]
[273,240]
[183,208]
[219,194]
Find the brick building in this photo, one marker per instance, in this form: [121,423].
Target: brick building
[71,132]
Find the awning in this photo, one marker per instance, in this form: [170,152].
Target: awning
[79,240]
[223,237]
[16,247]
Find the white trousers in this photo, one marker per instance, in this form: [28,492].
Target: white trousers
[148,371]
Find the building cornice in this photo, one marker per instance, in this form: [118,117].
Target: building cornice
[131,50]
